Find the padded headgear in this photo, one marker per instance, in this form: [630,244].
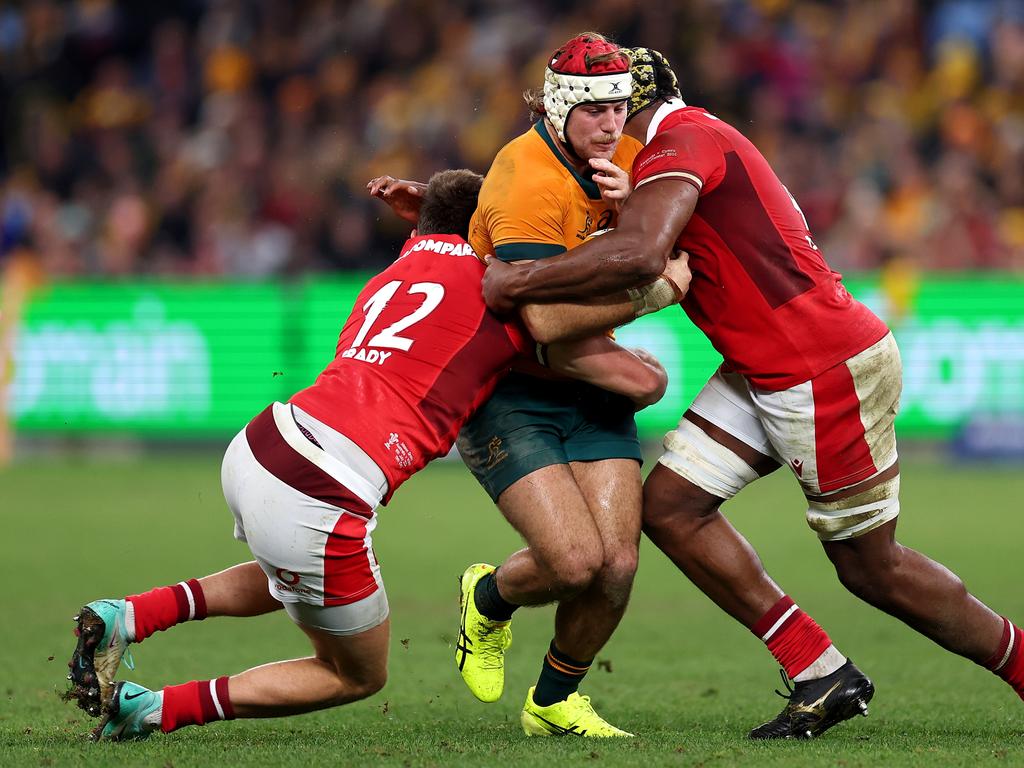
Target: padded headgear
[572,77]
[653,79]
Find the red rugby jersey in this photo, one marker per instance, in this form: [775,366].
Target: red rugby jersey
[761,289]
[419,353]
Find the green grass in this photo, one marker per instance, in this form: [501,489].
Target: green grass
[682,675]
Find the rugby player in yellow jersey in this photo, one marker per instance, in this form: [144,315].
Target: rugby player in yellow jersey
[560,459]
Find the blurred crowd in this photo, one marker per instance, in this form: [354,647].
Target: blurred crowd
[235,137]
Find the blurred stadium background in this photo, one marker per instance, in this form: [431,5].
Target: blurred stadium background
[183,226]
[183,217]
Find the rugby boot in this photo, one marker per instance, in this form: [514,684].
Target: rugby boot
[573,717]
[816,705]
[480,651]
[102,643]
[134,713]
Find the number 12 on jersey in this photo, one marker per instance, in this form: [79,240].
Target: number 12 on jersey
[388,338]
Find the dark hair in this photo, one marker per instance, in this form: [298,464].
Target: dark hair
[449,202]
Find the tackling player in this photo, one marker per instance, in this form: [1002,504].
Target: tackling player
[560,459]
[303,480]
[811,379]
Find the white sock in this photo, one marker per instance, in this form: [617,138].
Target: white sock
[829,661]
[129,621]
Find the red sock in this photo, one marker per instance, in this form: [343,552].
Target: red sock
[196,703]
[1008,660]
[794,638]
[163,607]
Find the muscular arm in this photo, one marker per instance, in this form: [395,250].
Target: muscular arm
[636,374]
[632,255]
[548,323]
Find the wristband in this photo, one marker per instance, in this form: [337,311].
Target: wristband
[662,293]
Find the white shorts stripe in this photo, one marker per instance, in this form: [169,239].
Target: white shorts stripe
[777,624]
[191,600]
[216,701]
[1009,650]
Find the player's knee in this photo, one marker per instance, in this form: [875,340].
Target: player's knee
[617,573]
[872,578]
[619,566]
[362,685]
[672,502]
[575,572]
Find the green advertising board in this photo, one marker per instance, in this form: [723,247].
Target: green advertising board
[200,359]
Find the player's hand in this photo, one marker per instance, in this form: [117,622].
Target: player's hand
[611,180]
[404,197]
[677,269]
[496,285]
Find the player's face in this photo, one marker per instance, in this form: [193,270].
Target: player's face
[594,130]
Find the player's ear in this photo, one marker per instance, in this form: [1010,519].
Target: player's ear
[413,233]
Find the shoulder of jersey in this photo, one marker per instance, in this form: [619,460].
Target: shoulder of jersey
[527,152]
[442,247]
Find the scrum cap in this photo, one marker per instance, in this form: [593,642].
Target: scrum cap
[653,79]
[588,68]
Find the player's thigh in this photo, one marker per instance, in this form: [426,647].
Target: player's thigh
[605,456]
[519,430]
[718,448]
[837,434]
[548,509]
[318,558]
[612,489]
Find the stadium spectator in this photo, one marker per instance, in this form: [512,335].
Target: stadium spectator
[174,139]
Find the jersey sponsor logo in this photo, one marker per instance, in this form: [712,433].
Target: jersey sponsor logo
[288,581]
[495,453]
[442,247]
[369,355]
[402,454]
[659,155]
[581,234]
[604,222]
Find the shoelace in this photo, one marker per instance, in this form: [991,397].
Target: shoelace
[493,642]
[788,685]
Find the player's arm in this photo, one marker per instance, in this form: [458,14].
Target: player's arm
[598,360]
[548,323]
[632,255]
[403,196]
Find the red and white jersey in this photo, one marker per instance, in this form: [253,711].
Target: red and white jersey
[419,353]
[761,290]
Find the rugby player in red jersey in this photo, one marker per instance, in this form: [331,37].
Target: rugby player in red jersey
[811,379]
[419,352]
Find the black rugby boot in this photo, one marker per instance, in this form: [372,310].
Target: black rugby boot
[816,705]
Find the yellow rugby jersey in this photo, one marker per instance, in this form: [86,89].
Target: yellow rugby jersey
[533,204]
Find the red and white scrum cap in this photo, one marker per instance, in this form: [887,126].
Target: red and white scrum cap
[588,68]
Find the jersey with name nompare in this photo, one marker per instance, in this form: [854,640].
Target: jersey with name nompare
[761,290]
[419,353]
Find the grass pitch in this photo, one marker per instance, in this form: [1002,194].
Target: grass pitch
[679,673]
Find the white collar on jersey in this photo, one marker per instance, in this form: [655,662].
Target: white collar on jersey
[666,109]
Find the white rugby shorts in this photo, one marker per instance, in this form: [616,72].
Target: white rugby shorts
[307,516]
[834,431]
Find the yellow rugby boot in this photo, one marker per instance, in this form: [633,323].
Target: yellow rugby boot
[480,651]
[573,717]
